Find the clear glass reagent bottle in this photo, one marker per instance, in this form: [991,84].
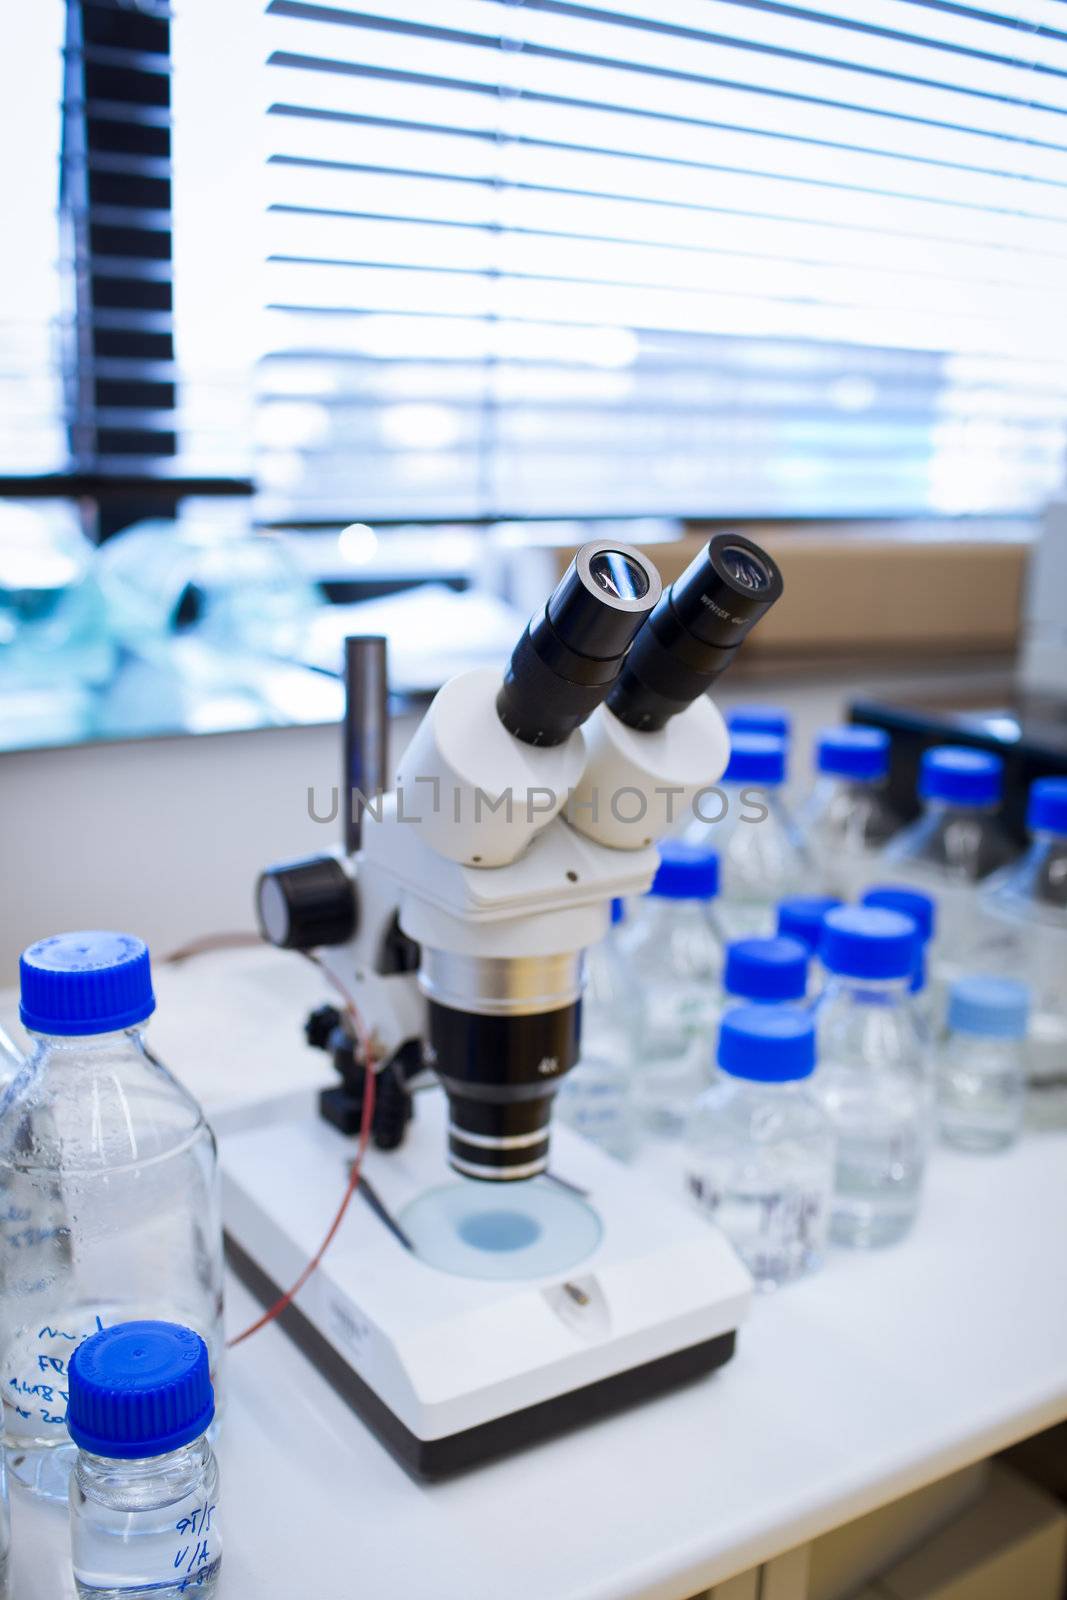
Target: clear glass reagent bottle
[759,1150]
[846,818]
[774,720]
[761,854]
[981,1081]
[922,909]
[108,1189]
[873,1073]
[800,917]
[596,1096]
[5,1530]
[955,844]
[766,972]
[674,950]
[144,1493]
[1026,909]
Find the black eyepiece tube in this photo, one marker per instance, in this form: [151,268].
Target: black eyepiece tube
[572,652]
[695,630]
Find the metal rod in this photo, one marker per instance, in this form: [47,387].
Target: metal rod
[366,730]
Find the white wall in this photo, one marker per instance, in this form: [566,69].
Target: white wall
[161,837]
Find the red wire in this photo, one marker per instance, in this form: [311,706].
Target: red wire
[366,1120]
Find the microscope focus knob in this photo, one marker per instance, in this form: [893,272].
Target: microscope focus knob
[303,904]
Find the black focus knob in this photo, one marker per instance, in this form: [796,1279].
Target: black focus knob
[304,904]
[321,1026]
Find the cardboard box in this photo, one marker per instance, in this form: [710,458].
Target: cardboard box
[1010,1545]
[857,1552]
[852,589]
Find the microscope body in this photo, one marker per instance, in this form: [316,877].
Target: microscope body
[458,916]
[455,920]
[499,860]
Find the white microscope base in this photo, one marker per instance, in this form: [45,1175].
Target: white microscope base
[451,1370]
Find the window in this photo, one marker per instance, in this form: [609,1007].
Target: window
[694,256]
[31,87]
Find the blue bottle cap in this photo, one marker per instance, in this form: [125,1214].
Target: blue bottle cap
[867,942]
[755,758]
[1046,811]
[618,910]
[686,872]
[909,902]
[996,1008]
[766,969]
[858,753]
[139,1389]
[760,719]
[82,983]
[769,1044]
[800,917]
[962,777]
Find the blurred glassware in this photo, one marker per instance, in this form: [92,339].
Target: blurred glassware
[846,817]
[674,947]
[1025,924]
[211,575]
[596,1096]
[981,1082]
[54,642]
[761,854]
[774,720]
[956,843]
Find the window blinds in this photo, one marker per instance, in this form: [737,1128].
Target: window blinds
[704,257]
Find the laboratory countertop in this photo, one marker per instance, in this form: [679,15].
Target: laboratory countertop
[881,1373]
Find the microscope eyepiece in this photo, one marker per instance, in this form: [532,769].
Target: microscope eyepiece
[695,630]
[572,652]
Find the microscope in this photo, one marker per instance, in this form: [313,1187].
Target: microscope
[504,1279]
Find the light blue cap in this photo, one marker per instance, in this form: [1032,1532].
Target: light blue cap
[686,872]
[769,1044]
[755,758]
[766,969]
[961,776]
[995,1008]
[858,753]
[867,942]
[774,720]
[84,983]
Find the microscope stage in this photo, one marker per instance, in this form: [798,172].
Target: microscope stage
[450,1369]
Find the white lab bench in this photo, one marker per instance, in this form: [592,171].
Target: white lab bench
[880,1374]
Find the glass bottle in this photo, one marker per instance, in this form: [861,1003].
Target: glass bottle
[674,951]
[759,1150]
[761,856]
[596,1096]
[108,1189]
[922,910]
[981,1080]
[144,1493]
[766,972]
[5,1530]
[774,720]
[1026,916]
[955,844]
[800,917]
[846,818]
[873,1073]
